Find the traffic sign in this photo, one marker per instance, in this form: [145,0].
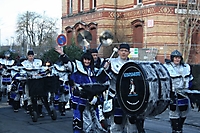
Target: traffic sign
[61,40]
[133,53]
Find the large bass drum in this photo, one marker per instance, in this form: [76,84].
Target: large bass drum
[143,88]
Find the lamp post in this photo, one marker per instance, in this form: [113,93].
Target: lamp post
[0,37]
[7,42]
[12,43]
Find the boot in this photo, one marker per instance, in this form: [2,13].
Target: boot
[8,100]
[140,125]
[182,120]
[40,111]
[26,105]
[5,92]
[62,108]
[1,95]
[29,109]
[175,124]
[15,106]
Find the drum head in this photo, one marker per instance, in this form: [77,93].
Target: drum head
[132,89]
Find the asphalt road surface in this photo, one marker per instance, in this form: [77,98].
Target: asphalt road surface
[20,122]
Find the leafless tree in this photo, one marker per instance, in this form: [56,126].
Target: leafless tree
[34,30]
[188,22]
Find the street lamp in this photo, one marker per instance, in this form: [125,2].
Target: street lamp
[7,42]
[12,43]
[0,37]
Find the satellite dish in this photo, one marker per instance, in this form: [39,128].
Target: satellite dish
[84,38]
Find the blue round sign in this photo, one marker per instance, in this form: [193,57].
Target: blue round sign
[61,40]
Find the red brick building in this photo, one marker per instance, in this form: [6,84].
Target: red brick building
[144,24]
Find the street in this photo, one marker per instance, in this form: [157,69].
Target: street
[20,122]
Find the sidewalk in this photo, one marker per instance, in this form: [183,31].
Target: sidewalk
[192,119]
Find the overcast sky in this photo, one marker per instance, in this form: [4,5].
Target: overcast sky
[9,9]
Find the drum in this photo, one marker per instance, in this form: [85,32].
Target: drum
[94,89]
[36,87]
[51,83]
[143,88]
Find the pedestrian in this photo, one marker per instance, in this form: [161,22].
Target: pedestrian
[181,77]
[83,73]
[120,122]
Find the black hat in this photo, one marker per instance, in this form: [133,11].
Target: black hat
[30,52]
[124,45]
[92,50]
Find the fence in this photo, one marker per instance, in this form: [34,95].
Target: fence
[150,52]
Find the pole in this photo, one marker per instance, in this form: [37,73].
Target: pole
[0,40]
[11,43]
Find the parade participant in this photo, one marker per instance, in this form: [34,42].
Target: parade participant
[99,63]
[181,77]
[29,64]
[120,122]
[6,62]
[83,73]
[64,90]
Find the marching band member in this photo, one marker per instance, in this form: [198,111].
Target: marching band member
[99,63]
[120,122]
[181,77]
[64,90]
[83,73]
[29,64]
[6,79]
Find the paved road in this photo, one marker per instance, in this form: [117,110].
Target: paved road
[21,122]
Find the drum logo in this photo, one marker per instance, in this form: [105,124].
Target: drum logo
[132,91]
[132,74]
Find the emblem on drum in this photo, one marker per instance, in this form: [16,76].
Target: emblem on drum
[131,89]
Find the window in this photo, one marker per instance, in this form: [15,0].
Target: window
[139,2]
[81,5]
[70,7]
[94,4]
[192,1]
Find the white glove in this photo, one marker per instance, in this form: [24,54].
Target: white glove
[94,100]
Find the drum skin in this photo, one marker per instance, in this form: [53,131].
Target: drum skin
[143,88]
[36,87]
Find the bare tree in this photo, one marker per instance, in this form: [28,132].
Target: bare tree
[188,22]
[34,29]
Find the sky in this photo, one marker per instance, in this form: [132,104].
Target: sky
[9,10]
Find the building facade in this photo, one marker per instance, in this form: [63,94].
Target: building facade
[144,24]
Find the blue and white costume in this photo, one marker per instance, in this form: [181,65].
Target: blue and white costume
[84,115]
[5,78]
[64,91]
[181,77]
[32,69]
